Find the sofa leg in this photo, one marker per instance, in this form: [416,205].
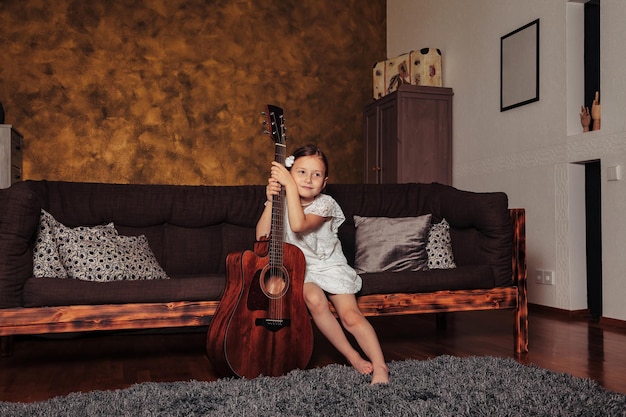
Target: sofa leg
[521,329]
[6,346]
[442,321]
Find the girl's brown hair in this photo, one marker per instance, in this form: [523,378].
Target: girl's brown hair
[311,150]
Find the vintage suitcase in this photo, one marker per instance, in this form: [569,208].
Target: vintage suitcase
[419,67]
[396,72]
[425,67]
[379,80]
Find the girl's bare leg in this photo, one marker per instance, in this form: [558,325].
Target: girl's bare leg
[365,335]
[317,303]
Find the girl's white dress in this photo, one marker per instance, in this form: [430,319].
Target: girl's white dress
[326,265]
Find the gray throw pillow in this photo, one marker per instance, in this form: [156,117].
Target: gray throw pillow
[391,244]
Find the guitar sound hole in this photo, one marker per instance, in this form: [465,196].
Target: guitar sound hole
[274,281]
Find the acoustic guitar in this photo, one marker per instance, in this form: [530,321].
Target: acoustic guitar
[262,326]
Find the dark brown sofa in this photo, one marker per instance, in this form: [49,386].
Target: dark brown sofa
[191,229]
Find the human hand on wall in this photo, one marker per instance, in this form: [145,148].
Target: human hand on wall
[585,118]
[596,110]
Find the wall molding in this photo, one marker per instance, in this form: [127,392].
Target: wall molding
[583,147]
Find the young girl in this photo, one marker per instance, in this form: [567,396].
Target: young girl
[313,220]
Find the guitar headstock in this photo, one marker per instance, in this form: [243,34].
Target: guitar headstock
[275,124]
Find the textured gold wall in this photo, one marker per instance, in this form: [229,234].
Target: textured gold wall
[170,91]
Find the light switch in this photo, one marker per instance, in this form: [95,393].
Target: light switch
[614,173]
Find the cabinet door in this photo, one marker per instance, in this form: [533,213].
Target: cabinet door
[388,142]
[408,136]
[425,139]
[371,130]
[16,157]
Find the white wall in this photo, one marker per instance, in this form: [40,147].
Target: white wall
[527,151]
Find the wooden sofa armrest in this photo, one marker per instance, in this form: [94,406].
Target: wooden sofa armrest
[520,276]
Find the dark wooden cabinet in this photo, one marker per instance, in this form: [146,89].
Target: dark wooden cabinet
[408,136]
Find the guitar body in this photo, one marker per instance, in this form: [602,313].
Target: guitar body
[245,338]
[262,325]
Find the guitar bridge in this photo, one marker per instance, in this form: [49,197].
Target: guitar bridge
[273,325]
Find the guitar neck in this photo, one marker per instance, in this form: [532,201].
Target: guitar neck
[278,207]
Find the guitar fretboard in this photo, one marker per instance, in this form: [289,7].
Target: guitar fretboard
[278,208]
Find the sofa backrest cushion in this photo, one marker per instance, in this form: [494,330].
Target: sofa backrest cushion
[191,229]
[480,225]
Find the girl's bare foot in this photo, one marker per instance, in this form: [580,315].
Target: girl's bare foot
[380,375]
[361,365]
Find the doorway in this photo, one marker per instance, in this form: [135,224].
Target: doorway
[593,229]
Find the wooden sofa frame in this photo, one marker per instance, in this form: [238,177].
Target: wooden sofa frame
[81,318]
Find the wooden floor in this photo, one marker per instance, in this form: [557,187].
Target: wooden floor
[42,368]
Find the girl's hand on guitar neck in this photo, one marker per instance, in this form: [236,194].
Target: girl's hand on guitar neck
[281,176]
[272,189]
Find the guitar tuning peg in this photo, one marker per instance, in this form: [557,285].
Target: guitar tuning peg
[267,132]
[263,113]
[264,122]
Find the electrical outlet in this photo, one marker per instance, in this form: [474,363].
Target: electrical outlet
[544,277]
[539,279]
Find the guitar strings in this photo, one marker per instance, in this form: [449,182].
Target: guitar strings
[276,243]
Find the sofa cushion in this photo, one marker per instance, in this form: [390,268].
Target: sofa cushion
[40,292]
[439,247]
[461,278]
[391,244]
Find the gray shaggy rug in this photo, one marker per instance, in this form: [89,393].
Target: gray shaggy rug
[444,386]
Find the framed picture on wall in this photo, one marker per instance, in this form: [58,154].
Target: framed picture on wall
[519,67]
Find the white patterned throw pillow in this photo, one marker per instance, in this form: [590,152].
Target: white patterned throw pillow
[95,253]
[439,247]
[138,259]
[89,253]
[46,260]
